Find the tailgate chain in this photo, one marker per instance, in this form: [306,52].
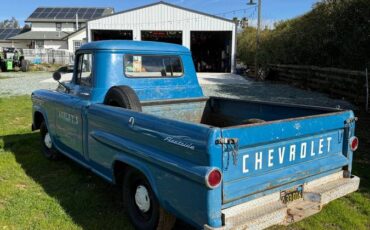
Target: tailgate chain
[233,143]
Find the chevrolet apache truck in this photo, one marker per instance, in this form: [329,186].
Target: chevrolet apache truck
[135,114]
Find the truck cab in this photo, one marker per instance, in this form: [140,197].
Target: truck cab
[135,114]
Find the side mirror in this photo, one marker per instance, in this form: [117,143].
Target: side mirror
[57,76]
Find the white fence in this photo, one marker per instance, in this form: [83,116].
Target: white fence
[51,56]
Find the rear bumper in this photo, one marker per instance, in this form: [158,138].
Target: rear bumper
[268,210]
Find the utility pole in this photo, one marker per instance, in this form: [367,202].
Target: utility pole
[259,19]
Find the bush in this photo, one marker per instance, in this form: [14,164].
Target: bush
[334,33]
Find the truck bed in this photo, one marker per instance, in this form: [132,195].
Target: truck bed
[225,112]
[183,139]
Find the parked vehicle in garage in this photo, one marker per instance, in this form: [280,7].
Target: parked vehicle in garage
[12,59]
[135,115]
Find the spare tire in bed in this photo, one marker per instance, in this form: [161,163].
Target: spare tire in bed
[123,96]
[253,121]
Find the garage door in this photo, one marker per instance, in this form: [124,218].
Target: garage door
[98,35]
[211,50]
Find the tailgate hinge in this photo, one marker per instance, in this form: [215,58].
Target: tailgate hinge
[350,121]
[231,145]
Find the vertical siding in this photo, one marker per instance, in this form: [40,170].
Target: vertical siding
[161,17]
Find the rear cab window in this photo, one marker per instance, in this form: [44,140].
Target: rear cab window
[155,66]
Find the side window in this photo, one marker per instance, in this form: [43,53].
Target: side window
[58,26]
[153,66]
[84,70]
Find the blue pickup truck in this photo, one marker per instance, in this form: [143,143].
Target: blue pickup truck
[135,114]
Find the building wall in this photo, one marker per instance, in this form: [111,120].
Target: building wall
[55,45]
[19,45]
[164,17]
[43,26]
[51,26]
[79,36]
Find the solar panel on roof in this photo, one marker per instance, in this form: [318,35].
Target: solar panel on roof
[70,16]
[7,33]
[43,15]
[52,15]
[91,11]
[67,13]
[39,10]
[82,11]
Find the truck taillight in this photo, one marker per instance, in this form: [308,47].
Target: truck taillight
[213,178]
[353,143]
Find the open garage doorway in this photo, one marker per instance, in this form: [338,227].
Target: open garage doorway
[211,50]
[162,36]
[98,35]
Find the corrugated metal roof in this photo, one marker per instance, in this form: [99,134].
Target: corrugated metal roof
[7,33]
[40,35]
[67,14]
[168,4]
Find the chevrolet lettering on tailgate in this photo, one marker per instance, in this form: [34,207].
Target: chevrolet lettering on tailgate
[277,156]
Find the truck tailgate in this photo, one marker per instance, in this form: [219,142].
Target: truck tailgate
[273,154]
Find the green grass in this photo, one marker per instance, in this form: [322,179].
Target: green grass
[39,194]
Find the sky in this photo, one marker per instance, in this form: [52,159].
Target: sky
[272,10]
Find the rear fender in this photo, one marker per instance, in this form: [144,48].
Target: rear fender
[140,166]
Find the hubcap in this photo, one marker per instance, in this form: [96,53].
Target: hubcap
[142,199]
[47,141]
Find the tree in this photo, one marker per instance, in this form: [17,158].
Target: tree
[9,24]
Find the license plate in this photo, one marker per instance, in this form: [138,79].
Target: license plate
[290,195]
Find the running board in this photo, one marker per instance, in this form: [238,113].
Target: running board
[268,210]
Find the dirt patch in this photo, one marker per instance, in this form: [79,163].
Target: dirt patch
[21,186]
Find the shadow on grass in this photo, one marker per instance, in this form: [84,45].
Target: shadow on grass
[90,201]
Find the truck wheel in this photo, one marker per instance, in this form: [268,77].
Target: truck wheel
[141,204]
[123,96]
[25,65]
[47,145]
[3,66]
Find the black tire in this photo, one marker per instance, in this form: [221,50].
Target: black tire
[154,217]
[3,66]
[123,96]
[48,151]
[25,65]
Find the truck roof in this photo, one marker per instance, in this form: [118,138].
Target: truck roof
[135,46]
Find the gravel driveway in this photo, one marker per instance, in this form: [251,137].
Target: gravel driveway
[19,83]
[213,84]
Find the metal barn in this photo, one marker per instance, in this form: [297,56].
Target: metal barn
[211,39]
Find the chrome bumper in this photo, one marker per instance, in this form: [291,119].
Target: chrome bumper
[268,210]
